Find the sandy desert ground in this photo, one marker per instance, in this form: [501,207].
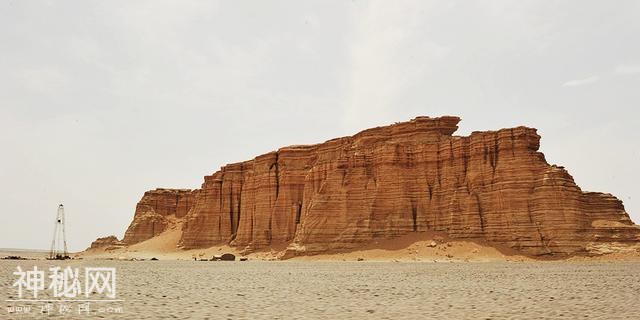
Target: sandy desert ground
[359,290]
[418,276]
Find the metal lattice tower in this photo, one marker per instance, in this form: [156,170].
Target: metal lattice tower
[59,243]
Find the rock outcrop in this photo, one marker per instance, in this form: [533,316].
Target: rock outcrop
[388,181]
[154,211]
[109,242]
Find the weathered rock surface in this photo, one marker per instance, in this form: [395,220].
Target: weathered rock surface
[154,211]
[109,242]
[383,182]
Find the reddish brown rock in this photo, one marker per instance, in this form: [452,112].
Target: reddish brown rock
[383,182]
[106,242]
[154,211]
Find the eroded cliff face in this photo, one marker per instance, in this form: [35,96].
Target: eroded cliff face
[383,182]
[155,210]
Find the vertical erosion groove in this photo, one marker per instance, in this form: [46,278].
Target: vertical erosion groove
[238,209]
[480,213]
[451,155]
[231,220]
[277,174]
[298,212]
[220,194]
[537,226]
[439,169]
[175,207]
[465,161]
[414,215]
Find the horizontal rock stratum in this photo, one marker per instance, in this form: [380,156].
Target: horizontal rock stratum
[413,176]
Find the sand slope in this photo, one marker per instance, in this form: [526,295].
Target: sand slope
[421,246]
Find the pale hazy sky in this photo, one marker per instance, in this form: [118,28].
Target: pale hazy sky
[102,100]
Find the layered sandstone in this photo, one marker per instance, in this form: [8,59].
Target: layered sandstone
[106,242]
[156,210]
[388,181]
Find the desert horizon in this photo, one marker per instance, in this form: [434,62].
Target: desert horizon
[364,159]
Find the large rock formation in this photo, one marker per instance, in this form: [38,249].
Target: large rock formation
[388,181]
[155,211]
